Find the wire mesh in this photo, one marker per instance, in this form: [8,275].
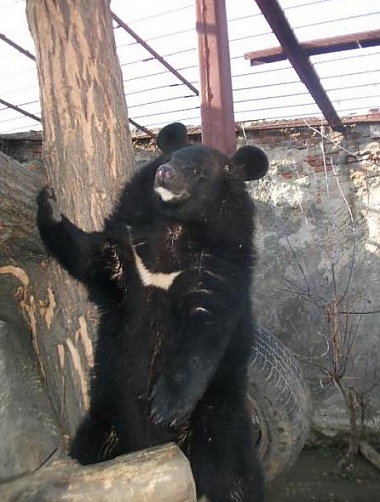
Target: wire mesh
[155,96]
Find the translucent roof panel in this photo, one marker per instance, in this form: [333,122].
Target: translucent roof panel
[155,96]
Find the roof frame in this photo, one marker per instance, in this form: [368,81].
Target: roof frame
[26,53]
[17,47]
[300,61]
[19,110]
[154,53]
[318,46]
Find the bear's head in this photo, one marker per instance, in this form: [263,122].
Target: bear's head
[194,176]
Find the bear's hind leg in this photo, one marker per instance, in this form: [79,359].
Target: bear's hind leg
[223,455]
[94,441]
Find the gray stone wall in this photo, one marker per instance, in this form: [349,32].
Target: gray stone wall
[317,282]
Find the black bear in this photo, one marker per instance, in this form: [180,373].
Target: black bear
[171,276]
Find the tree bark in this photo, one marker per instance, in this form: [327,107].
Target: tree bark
[88,156]
[18,190]
[20,244]
[161,474]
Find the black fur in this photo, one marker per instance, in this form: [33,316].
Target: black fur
[171,358]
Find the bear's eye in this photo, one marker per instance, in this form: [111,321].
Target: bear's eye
[197,170]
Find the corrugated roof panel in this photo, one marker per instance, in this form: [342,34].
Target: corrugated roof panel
[155,96]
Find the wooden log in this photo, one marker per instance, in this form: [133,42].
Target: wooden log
[160,474]
[369,453]
[19,188]
[88,155]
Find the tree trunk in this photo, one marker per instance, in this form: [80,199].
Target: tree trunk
[20,244]
[88,155]
[161,474]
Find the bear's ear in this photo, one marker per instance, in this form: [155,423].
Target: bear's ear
[250,161]
[172,137]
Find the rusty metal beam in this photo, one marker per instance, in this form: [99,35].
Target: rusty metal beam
[34,117]
[19,110]
[217,114]
[17,47]
[155,54]
[142,128]
[319,46]
[299,60]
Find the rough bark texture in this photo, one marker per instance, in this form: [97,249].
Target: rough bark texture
[87,145]
[20,244]
[18,189]
[161,474]
[88,156]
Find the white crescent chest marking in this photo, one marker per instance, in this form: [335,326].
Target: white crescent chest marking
[165,194]
[155,279]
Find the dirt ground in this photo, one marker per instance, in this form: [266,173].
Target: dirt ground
[315,478]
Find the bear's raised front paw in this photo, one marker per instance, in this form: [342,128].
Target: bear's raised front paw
[47,205]
[170,405]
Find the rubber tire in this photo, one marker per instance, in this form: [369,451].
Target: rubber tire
[280,403]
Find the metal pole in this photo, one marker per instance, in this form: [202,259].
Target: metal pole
[217,114]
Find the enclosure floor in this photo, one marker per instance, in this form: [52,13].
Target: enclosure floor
[314,478]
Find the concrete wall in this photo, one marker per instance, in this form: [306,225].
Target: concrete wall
[318,243]
[318,246]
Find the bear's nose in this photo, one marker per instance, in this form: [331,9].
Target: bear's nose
[164,173]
